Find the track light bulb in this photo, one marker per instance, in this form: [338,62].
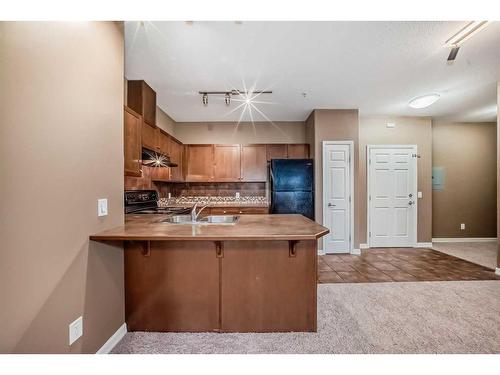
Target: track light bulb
[205,99]
[227,98]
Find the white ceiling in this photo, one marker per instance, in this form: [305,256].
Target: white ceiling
[374,66]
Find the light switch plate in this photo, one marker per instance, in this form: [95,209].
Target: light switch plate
[102,207]
[419,194]
[75,330]
[391,125]
[462,226]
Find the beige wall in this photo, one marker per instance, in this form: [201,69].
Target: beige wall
[498,176]
[164,121]
[408,130]
[61,100]
[228,132]
[467,152]
[333,125]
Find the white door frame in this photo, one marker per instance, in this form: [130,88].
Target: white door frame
[368,149]
[351,171]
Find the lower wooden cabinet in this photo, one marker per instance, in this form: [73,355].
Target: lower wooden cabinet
[221,286]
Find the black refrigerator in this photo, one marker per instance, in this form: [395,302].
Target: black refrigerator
[292,186]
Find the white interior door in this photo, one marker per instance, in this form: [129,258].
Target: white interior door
[392,193]
[337,186]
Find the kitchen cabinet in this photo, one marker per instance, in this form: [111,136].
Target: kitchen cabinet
[176,156]
[227,163]
[142,99]
[163,142]
[162,174]
[200,163]
[132,142]
[298,151]
[276,151]
[150,137]
[253,163]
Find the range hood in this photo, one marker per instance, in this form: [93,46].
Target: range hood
[155,159]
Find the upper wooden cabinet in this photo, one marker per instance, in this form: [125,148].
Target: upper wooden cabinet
[298,151]
[200,163]
[253,163]
[142,99]
[176,156]
[227,164]
[132,143]
[163,142]
[277,151]
[150,137]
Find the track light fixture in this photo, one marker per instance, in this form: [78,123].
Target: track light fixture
[228,94]
[462,35]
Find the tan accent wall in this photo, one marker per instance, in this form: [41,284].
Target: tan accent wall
[245,132]
[467,152]
[61,100]
[333,125]
[411,131]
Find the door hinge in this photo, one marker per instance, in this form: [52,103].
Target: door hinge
[349,199]
[370,234]
[370,197]
[370,161]
[415,156]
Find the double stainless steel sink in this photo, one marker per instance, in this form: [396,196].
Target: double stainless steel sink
[212,219]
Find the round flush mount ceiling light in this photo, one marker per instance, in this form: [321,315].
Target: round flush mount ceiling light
[424,101]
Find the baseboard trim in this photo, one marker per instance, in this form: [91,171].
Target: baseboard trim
[321,252]
[356,252]
[424,244]
[497,271]
[465,239]
[363,246]
[113,340]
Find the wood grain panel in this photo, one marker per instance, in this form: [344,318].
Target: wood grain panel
[253,163]
[298,151]
[175,288]
[266,290]
[277,151]
[200,163]
[132,143]
[227,159]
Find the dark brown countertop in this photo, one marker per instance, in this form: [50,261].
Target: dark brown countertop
[248,227]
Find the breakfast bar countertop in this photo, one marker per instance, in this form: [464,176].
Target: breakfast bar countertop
[248,227]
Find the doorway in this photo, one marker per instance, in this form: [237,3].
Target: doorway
[338,202]
[392,195]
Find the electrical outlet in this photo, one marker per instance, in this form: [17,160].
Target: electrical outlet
[419,194]
[237,194]
[102,207]
[462,226]
[75,330]
[391,125]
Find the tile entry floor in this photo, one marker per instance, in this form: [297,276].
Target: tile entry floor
[398,264]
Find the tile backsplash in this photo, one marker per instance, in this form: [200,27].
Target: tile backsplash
[212,189]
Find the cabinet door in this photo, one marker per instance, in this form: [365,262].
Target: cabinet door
[174,289]
[298,151]
[132,143]
[253,163]
[200,163]
[227,163]
[150,137]
[163,142]
[176,155]
[161,174]
[276,152]
[266,288]
[149,104]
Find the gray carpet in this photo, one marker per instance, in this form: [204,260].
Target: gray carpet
[482,253]
[413,317]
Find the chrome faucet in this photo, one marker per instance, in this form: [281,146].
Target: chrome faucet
[194,214]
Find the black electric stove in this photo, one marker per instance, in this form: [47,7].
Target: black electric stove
[146,202]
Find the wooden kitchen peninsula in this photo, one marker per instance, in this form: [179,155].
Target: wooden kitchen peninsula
[257,275]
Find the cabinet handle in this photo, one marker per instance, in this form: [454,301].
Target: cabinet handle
[219,251]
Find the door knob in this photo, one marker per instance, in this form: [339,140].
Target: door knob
[331,205]
[410,203]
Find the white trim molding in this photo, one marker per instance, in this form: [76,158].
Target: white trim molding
[497,271]
[363,246]
[356,252]
[424,244]
[113,340]
[321,252]
[465,239]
